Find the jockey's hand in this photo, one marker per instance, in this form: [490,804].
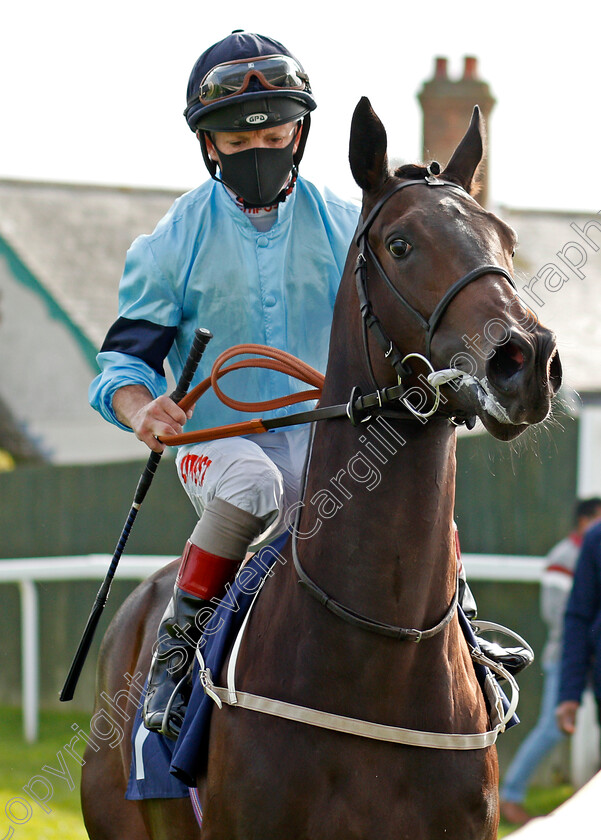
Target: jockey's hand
[565,714]
[149,418]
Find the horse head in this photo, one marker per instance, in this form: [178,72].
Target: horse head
[436,275]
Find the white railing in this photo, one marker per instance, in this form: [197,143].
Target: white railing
[26,573]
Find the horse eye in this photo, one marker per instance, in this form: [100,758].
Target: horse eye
[399,248]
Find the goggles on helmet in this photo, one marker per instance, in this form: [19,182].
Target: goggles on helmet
[274,72]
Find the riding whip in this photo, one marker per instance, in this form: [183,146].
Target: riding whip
[201,339]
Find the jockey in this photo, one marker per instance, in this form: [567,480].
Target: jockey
[255,254]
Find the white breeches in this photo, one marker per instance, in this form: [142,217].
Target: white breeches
[260,474]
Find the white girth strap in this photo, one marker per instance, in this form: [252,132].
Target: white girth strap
[365,728]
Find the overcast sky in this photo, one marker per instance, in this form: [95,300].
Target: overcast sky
[95,92]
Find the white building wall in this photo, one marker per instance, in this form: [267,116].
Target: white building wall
[589,452]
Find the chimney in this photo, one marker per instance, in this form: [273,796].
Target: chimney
[447,107]
[440,71]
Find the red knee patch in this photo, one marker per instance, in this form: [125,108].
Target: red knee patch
[193,468]
[204,574]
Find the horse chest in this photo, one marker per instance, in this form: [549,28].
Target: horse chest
[327,786]
[331,785]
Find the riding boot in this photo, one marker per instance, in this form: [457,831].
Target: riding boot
[172,656]
[203,576]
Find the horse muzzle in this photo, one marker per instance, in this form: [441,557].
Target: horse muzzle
[523,374]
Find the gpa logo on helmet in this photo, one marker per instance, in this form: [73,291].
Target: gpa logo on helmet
[255,119]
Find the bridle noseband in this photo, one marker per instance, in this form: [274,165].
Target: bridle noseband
[429,325]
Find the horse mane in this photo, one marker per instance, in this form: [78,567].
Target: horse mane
[415,171]
[411,171]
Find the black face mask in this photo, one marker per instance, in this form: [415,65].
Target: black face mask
[258,175]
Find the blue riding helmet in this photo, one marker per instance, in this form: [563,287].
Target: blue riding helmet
[244,82]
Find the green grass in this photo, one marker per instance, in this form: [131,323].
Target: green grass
[21,762]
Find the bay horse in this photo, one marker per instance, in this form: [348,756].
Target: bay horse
[374,535]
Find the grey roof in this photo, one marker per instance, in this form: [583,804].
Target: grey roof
[73,238]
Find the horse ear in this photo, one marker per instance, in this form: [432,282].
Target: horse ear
[468,154]
[367,147]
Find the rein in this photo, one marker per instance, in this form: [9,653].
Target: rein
[358,409]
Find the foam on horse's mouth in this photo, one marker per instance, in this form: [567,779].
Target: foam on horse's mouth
[484,395]
[489,402]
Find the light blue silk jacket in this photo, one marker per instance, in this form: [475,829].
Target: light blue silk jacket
[206,265]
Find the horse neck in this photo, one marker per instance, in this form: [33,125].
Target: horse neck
[381,495]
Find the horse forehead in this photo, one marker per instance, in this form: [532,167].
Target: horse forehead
[467,218]
[457,213]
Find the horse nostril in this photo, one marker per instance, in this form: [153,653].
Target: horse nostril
[554,371]
[507,360]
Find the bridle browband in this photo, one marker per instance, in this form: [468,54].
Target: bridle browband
[429,325]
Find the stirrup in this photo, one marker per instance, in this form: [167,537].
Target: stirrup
[173,719]
[513,659]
